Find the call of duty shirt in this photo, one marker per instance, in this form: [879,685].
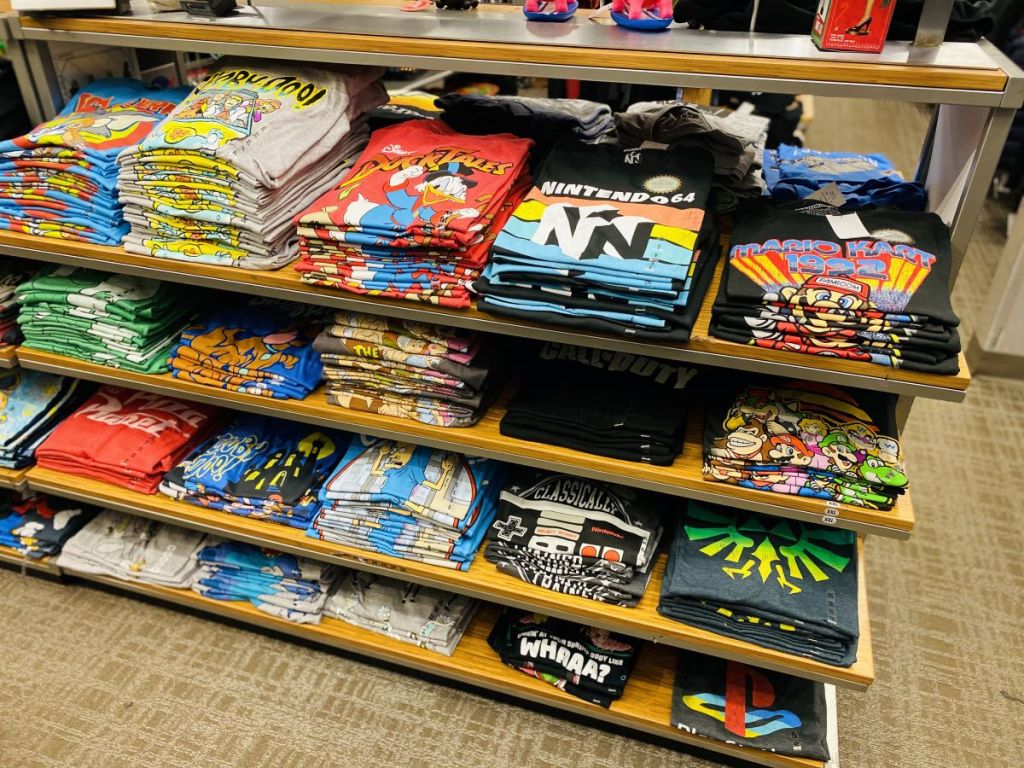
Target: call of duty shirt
[613,404]
[735,703]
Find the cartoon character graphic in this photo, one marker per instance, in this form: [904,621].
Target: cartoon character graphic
[212,119]
[231,350]
[415,197]
[118,127]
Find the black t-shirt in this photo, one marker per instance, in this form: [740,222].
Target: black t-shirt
[587,662]
[575,517]
[734,703]
[794,257]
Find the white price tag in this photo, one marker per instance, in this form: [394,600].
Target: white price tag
[848,226]
[830,194]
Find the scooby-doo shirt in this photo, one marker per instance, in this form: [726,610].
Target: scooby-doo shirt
[793,258]
[266,118]
[102,120]
[735,703]
[420,182]
[264,344]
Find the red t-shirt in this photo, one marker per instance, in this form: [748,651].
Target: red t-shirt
[126,438]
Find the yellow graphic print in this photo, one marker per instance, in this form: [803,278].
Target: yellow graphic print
[779,555]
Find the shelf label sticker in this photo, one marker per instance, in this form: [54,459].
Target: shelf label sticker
[831,504]
[828,519]
[848,226]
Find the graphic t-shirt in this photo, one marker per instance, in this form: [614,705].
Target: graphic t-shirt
[125,437]
[735,703]
[265,119]
[420,184]
[631,210]
[586,662]
[100,121]
[37,525]
[773,582]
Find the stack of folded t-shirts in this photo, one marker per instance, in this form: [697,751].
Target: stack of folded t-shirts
[12,274]
[220,179]
[871,286]
[805,439]
[609,239]
[786,715]
[31,405]
[259,467]
[257,347]
[37,525]
[416,216]
[126,438]
[132,548]
[793,173]
[410,502]
[736,142]
[577,536]
[116,320]
[612,404]
[589,663]
[60,179]
[772,582]
[439,376]
[430,618]
[543,120]
[283,585]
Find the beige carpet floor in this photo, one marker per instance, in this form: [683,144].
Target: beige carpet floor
[97,680]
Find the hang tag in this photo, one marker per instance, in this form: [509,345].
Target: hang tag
[848,226]
[829,194]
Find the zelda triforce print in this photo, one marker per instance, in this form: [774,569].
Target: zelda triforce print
[785,554]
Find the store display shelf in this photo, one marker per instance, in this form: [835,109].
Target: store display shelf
[8,356]
[13,558]
[682,478]
[482,580]
[495,39]
[645,706]
[13,479]
[703,349]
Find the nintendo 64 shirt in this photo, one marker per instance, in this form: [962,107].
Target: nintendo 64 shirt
[603,206]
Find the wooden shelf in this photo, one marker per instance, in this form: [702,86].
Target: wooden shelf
[645,705]
[496,39]
[15,559]
[682,478]
[8,356]
[703,349]
[13,479]
[481,581]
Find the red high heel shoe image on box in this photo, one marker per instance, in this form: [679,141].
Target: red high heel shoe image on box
[852,25]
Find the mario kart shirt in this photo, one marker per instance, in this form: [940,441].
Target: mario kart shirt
[792,284]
